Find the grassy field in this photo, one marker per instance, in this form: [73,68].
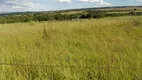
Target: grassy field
[101,49]
[122,12]
[109,10]
[71,12]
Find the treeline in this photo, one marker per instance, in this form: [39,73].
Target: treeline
[44,16]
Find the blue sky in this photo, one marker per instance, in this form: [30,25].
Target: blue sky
[47,5]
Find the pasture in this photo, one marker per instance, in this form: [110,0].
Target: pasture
[89,49]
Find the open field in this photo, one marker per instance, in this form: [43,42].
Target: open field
[107,10]
[90,49]
[71,12]
[122,12]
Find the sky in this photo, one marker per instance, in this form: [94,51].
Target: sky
[48,5]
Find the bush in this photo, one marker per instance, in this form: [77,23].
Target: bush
[95,14]
[132,13]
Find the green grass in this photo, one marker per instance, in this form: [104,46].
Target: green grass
[71,12]
[114,44]
[123,12]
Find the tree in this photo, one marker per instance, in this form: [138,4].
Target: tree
[132,13]
[98,14]
[58,16]
[95,14]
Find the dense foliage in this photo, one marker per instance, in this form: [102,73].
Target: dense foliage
[48,16]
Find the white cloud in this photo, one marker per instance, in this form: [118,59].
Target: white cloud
[98,3]
[91,1]
[18,5]
[64,1]
[23,4]
[138,0]
[40,5]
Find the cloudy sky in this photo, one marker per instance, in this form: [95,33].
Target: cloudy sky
[46,5]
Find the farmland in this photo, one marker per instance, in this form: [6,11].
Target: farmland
[89,49]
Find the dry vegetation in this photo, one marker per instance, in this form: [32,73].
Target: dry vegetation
[101,49]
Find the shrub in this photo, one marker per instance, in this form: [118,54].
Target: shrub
[95,14]
[132,13]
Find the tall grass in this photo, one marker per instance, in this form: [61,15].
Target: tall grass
[102,49]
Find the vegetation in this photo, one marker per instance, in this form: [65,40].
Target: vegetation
[68,15]
[94,49]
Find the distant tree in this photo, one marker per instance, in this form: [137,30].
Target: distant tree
[95,14]
[98,14]
[58,16]
[132,13]
[90,14]
[73,16]
[83,16]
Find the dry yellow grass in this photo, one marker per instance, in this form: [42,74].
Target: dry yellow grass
[108,49]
